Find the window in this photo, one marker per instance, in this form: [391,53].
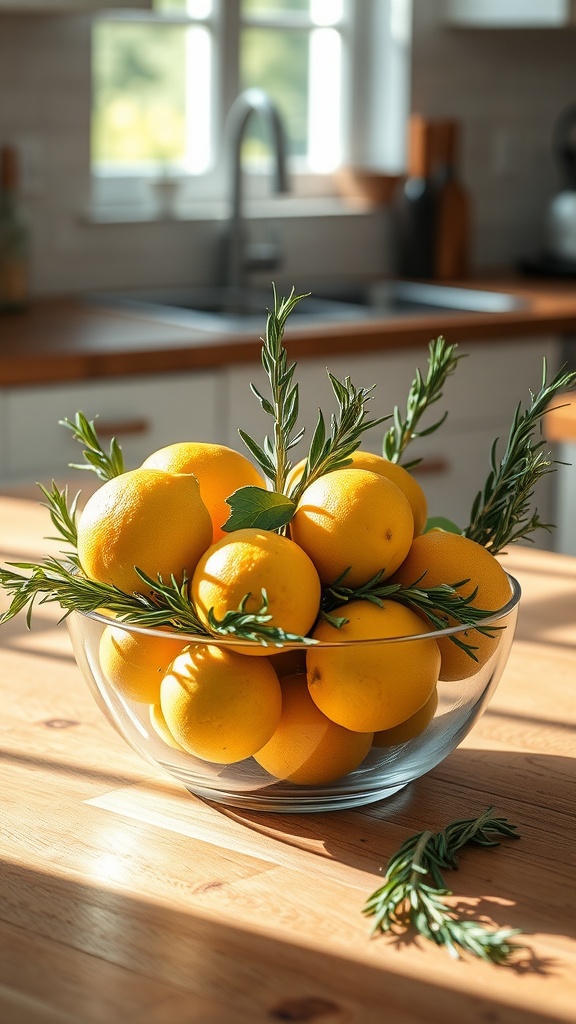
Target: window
[164,80]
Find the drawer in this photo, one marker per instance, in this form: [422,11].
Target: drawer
[143,413]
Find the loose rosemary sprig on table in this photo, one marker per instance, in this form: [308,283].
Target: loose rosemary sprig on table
[442,361]
[414,890]
[501,510]
[442,605]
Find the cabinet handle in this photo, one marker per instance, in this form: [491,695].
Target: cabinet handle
[112,428]
[434,466]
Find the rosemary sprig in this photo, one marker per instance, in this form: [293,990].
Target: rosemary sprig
[105,464]
[253,625]
[165,604]
[62,515]
[501,511]
[442,361]
[273,510]
[272,457]
[346,428]
[414,890]
[54,580]
[442,605]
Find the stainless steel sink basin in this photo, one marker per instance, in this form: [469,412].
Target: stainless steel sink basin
[222,310]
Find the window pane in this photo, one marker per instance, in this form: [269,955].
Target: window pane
[277,61]
[139,104]
[194,8]
[271,7]
[324,103]
[321,12]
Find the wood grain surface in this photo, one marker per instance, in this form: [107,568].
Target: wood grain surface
[124,898]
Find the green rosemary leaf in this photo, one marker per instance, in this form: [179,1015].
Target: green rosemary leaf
[423,393]
[442,605]
[501,512]
[272,455]
[255,507]
[413,893]
[318,440]
[346,429]
[62,516]
[253,626]
[262,458]
[60,582]
[265,404]
[105,465]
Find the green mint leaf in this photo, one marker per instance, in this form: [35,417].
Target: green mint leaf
[255,507]
[441,523]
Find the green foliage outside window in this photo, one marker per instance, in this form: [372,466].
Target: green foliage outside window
[139,111]
[139,84]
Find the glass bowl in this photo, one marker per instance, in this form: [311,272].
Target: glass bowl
[395,758]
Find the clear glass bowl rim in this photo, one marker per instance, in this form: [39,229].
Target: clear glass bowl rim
[287,645]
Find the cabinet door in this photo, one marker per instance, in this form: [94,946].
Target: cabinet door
[143,413]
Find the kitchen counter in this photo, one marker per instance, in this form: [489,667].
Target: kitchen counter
[65,339]
[123,897]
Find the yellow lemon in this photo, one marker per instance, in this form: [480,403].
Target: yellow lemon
[409,729]
[135,662]
[146,518]
[353,519]
[307,748]
[397,474]
[219,705]
[369,687]
[249,561]
[441,557]
[158,723]
[219,470]
[290,662]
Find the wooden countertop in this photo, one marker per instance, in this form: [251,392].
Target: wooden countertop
[123,897]
[65,339]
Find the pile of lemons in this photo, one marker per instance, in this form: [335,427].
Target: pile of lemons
[309,714]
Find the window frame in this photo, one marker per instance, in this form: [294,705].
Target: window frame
[375,64]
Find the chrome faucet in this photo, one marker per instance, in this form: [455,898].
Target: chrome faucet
[239,255]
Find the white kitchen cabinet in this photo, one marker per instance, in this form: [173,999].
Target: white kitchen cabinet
[509,13]
[69,6]
[144,413]
[480,398]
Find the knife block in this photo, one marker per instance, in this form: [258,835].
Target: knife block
[452,213]
[431,208]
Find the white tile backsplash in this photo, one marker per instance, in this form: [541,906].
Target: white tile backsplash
[507,87]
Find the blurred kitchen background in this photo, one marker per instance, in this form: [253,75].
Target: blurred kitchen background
[103,103]
[159,143]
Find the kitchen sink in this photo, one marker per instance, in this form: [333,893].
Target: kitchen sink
[223,310]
